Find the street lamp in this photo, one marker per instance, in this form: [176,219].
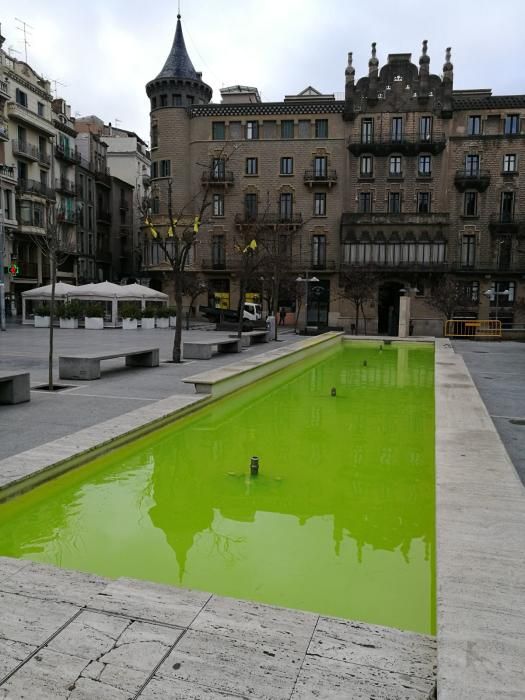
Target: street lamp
[493,295]
[306,280]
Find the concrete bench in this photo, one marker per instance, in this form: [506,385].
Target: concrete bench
[14,387]
[203,349]
[252,337]
[87,366]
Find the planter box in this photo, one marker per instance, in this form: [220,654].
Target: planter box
[42,321]
[130,324]
[162,322]
[148,323]
[93,323]
[69,323]
[173,321]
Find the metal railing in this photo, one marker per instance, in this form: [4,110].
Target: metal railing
[35,187]
[217,178]
[23,148]
[266,219]
[320,176]
[66,186]
[471,328]
[67,153]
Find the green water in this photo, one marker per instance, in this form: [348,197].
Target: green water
[340,520]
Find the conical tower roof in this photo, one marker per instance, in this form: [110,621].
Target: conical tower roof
[178,63]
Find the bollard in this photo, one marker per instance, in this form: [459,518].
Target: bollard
[254,466]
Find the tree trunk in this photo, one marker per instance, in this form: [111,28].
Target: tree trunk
[53,270]
[364,317]
[357,318]
[177,340]
[275,294]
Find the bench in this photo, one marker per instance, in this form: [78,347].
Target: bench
[252,337]
[87,366]
[14,387]
[203,349]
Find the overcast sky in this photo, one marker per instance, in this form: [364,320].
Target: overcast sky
[105,51]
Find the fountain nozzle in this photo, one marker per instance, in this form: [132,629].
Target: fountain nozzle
[254,466]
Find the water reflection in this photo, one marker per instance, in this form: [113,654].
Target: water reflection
[344,500]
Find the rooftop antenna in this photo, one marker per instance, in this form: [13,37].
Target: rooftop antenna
[117,122]
[55,83]
[11,50]
[24,29]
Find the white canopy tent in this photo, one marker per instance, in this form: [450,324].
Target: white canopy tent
[108,291]
[62,291]
[101,291]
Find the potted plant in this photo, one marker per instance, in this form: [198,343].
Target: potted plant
[162,317]
[94,316]
[69,313]
[148,318]
[172,314]
[131,314]
[42,316]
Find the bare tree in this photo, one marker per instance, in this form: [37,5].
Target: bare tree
[192,288]
[176,238]
[448,296]
[57,245]
[358,285]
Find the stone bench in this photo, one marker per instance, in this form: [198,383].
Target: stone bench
[252,337]
[203,349]
[87,366]
[14,387]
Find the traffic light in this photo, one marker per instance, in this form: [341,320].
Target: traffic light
[14,270]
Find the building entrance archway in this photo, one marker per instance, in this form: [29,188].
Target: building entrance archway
[388,308]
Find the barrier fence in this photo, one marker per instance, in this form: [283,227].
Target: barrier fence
[468,328]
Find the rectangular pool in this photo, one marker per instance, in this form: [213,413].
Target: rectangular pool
[340,520]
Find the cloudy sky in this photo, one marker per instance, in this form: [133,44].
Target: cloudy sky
[104,51]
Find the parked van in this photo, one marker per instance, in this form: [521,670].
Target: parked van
[252,312]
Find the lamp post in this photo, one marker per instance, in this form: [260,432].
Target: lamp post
[493,295]
[306,280]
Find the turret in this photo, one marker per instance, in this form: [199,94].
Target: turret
[178,84]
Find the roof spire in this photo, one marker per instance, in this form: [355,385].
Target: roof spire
[178,63]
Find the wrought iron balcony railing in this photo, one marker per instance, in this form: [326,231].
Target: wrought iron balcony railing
[476,179]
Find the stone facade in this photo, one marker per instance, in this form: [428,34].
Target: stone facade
[405,178]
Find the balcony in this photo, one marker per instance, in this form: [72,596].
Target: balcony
[35,188]
[8,172]
[66,216]
[211,264]
[68,154]
[505,223]
[4,93]
[387,219]
[65,186]
[217,179]
[124,206]
[4,132]
[44,159]
[104,215]
[313,177]
[22,149]
[26,116]
[270,220]
[317,265]
[406,145]
[472,180]
[27,270]
[103,177]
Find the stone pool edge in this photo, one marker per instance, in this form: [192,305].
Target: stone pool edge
[480,531]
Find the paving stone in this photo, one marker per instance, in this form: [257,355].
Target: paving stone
[12,653]
[263,671]
[87,689]
[174,689]
[255,623]
[10,566]
[325,678]
[381,647]
[51,583]
[141,646]
[31,620]
[109,677]
[150,601]
[49,675]
[90,635]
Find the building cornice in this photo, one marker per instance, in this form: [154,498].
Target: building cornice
[265,109]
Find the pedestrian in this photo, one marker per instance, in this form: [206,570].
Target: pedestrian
[282,315]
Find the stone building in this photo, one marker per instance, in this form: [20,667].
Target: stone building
[405,180]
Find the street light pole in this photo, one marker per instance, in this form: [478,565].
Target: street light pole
[306,280]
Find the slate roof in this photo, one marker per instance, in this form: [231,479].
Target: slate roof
[488,101]
[178,63]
